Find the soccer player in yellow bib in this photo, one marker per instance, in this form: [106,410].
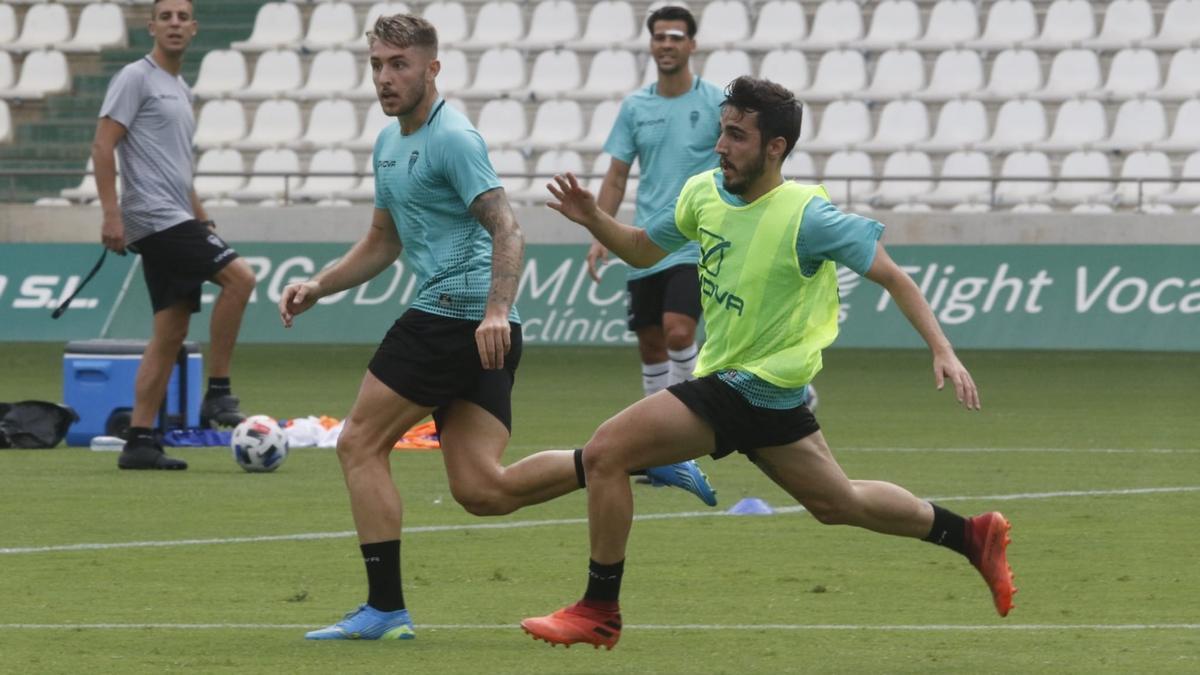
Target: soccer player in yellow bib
[769,293]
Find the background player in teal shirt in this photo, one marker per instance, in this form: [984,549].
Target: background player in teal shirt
[670,128]
[454,352]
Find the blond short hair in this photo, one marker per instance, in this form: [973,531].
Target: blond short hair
[403,31]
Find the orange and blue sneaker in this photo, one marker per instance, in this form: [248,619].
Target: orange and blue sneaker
[685,476]
[368,623]
[574,624]
[987,541]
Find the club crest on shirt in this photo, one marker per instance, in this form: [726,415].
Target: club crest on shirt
[694,117]
[412,159]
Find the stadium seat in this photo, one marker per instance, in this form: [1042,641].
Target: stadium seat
[555,72]
[895,23]
[1081,122]
[1032,208]
[610,23]
[46,26]
[512,169]
[1140,123]
[1187,193]
[331,24]
[373,123]
[276,73]
[43,72]
[1126,22]
[1073,72]
[904,164]
[364,189]
[952,23]
[87,190]
[556,124]
[263,187]
[6,126]
[844,123]
[330,161]
[277,25]
[799,165]
[897,72]
[1183,76]
[840,72]
[971,208]
[501,70]
[455,74]
[377,10]
[1028,165]
[603,117]
[498,23]
[333,72]
[726,65]
[1009,23]
[1067,22]
[837,24]
[1180,26]
[962,164]
[220,123]
[1092,209]
[8,25]
[613,72]
[365,91]
[961,124]
[781,24]
[1015,73]
[7,74]
[1084,164]
[225,160]
[956,72]
[1133,72]
[723,24]
[1143,164]
[450,17]
[1019,123]
[331,122]
[276,123]
[849,165]
[1155,209]
[788,67]
[222,72]
[502,123]
[554,24]
[902,124]
[1185,135]
[545,167]
[101,26]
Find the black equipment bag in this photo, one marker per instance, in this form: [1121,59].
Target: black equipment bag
[34,424]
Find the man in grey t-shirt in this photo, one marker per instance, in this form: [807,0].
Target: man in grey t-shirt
[147,115]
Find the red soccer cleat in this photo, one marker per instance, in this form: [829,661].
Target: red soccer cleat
[987,539]
[576,623]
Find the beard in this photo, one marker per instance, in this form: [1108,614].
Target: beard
[745,175]
[404,102]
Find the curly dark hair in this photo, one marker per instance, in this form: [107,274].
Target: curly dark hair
[672,13]
[779,112]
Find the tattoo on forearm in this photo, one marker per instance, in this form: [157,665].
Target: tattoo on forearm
[492,211]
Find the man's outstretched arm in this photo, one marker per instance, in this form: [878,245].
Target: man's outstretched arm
[631,244]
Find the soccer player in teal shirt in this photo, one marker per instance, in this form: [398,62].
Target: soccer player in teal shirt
[454,352]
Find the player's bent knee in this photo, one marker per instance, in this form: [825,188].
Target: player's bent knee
[482,502]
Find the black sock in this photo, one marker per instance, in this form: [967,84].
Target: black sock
[579,475]
[383,575]
[949,530]
[604,585]
[218,386]
[140,434]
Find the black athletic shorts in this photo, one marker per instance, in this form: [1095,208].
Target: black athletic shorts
[177,261]
[432,360]
[675,289]
[738,425]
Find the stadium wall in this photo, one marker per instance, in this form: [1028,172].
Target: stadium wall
[1053,281]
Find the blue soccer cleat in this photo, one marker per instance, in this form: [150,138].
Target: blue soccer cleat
[687,476]
[368,623]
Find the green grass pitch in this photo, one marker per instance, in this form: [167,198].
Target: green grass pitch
[1093,456]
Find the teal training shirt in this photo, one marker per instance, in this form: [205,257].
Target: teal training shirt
[427,180]
[672,140]
[826,233]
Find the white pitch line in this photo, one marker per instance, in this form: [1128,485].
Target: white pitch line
[647,627]
[521,524]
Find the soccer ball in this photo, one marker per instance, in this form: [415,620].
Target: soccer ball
[258,444]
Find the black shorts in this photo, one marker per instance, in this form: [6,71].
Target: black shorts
[177,261]
[432,360]
[738,425]
[675,289]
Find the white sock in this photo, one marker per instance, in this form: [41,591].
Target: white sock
[654,377]
[683,363]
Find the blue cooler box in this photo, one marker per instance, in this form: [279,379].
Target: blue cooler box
[98,379]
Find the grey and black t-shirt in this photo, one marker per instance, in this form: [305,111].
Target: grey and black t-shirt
[155,107]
